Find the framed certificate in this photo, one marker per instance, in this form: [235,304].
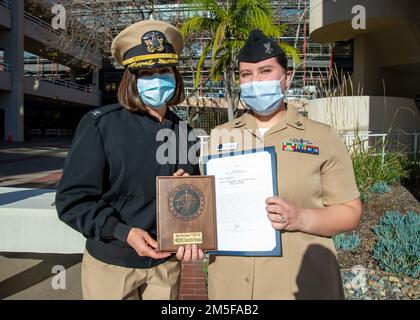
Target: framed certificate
[186,212]
[243,181]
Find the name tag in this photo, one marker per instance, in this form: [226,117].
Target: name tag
[227,146]
[188,238]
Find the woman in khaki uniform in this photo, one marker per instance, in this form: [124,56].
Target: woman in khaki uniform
[318,197]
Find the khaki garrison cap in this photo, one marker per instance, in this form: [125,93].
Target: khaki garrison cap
[148,43]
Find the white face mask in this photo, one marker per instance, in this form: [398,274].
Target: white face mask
[263,97]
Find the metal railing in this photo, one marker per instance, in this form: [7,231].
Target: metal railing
[6,3]
[205,91]
[47,26]
[219,92]
[5,67]
[51,133]
[59,82]
[406,142]
[370,139]
[298,97]
[41,23]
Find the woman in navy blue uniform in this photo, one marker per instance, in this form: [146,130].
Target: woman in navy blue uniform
[108,188]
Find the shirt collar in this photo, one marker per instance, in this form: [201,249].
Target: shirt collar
[168,119]
[292,118]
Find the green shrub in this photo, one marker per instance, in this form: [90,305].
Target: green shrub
[398,247]
[370,169]
[347,242]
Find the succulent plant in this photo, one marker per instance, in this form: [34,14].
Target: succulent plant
[398,247]
[347,242]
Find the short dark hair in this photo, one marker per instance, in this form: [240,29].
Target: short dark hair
[129,98]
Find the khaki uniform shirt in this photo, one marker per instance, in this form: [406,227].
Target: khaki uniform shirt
[308,267]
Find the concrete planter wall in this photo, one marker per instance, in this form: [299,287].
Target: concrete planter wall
[366,113]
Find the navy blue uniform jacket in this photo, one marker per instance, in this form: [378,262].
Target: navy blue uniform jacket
[109,180]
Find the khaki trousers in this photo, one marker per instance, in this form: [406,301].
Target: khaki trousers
[101,281]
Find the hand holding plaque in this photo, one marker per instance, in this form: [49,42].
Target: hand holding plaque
[186,212]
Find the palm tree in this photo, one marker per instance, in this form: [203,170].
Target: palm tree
[228,27]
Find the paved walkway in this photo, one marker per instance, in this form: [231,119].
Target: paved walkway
[30,275]
[32,165]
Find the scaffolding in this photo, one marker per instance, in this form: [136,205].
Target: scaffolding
[315,58]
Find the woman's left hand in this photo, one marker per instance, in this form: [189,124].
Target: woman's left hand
[284,215]
[181,173]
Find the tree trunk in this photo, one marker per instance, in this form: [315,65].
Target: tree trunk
[231,92]
[229,95]
[235,101]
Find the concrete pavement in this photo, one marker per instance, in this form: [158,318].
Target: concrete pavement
[30,275]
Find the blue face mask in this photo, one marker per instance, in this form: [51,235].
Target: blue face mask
[156,90]
[262,97]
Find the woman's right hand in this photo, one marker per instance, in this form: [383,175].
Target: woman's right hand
[144,244]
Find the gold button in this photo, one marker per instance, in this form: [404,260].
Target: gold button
[247,279]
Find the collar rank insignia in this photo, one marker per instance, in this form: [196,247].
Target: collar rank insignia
[300,145]
[96,112]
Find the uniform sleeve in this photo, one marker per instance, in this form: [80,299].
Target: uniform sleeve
[337,175]
[78,197]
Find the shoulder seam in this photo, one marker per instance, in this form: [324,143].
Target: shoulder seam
[96,114]
[318,123]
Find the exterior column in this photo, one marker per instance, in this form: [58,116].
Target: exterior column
[13,102]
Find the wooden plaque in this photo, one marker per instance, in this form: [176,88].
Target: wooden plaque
[186,212]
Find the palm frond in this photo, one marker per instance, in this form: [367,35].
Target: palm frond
[219,67]
[194,24]
[228,29]
[291,51]
[219,38]
[275,30]
[254,14]
[230,48]
[201,63]
[211,6]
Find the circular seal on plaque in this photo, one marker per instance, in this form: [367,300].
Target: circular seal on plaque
[186,202]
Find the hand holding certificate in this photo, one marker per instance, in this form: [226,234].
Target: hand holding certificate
[244,180]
